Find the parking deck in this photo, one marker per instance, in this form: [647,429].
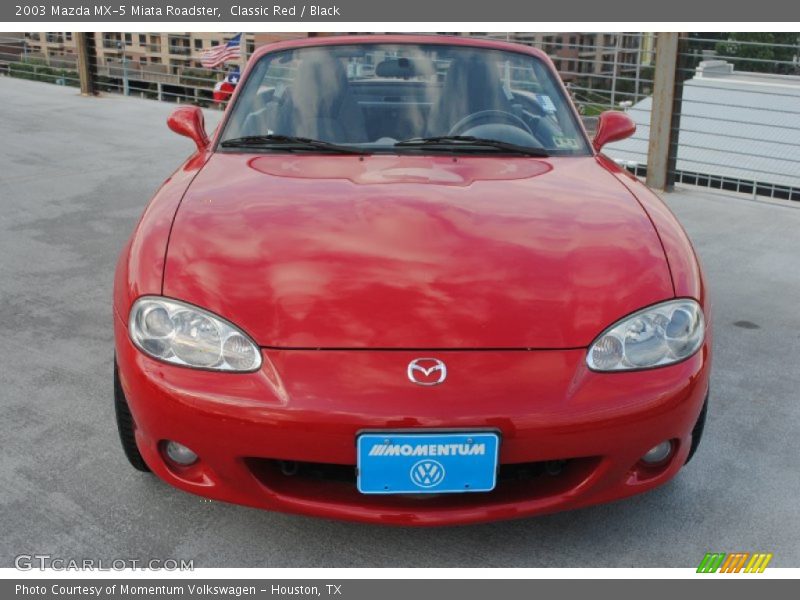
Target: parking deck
[75,174]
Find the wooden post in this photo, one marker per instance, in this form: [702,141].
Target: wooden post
[85,57]
[662,146]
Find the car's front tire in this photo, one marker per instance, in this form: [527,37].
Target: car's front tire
[697,432]
[126,426]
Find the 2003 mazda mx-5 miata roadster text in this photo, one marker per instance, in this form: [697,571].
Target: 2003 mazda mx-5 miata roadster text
[399,284]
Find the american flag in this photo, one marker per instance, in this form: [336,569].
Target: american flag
[219,54]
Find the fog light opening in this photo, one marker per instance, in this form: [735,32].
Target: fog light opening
[658,454]
[554,467]
[289,467]
[179,454]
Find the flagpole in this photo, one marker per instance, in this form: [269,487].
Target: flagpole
[243,51]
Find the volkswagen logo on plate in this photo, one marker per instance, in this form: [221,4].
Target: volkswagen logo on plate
[427,473]
[426,371]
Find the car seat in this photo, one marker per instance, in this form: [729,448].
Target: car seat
[471,85]
[320,103]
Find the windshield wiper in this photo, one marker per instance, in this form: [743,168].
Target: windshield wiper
[465,142]
[288,142]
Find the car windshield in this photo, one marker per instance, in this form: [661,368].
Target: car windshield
[403,98]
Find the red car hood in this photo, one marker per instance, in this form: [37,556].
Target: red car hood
[414,252]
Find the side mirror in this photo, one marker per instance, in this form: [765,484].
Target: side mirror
[612,126]
[189,121]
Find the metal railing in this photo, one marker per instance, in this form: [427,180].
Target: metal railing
[142,70]
[601,70]
[18,59]
[735,125]
[740,114]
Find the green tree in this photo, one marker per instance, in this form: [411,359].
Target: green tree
[198,77]
[37,69]
[773,52]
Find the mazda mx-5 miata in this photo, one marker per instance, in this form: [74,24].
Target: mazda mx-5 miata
[400,284]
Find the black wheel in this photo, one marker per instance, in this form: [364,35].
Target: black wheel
[126,426]
[697,431]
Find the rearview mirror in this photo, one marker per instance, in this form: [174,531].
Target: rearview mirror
[189,121]
[612,126]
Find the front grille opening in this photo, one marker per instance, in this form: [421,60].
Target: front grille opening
[316,471]
[337,483]
[347,473]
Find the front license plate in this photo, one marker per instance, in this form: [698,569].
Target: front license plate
[426,463]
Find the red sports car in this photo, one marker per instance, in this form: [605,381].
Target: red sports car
[399,284]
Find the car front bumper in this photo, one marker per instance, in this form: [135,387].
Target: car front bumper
[283,438]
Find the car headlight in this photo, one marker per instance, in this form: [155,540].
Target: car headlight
[654,337]
[185,335]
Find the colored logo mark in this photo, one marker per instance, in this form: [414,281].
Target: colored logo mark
[736,562]
[427,473]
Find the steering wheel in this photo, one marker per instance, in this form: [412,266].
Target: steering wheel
[472,120]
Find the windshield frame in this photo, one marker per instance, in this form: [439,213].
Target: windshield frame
[368,148]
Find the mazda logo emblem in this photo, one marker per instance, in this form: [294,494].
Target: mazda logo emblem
[427,473]
[426,371]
